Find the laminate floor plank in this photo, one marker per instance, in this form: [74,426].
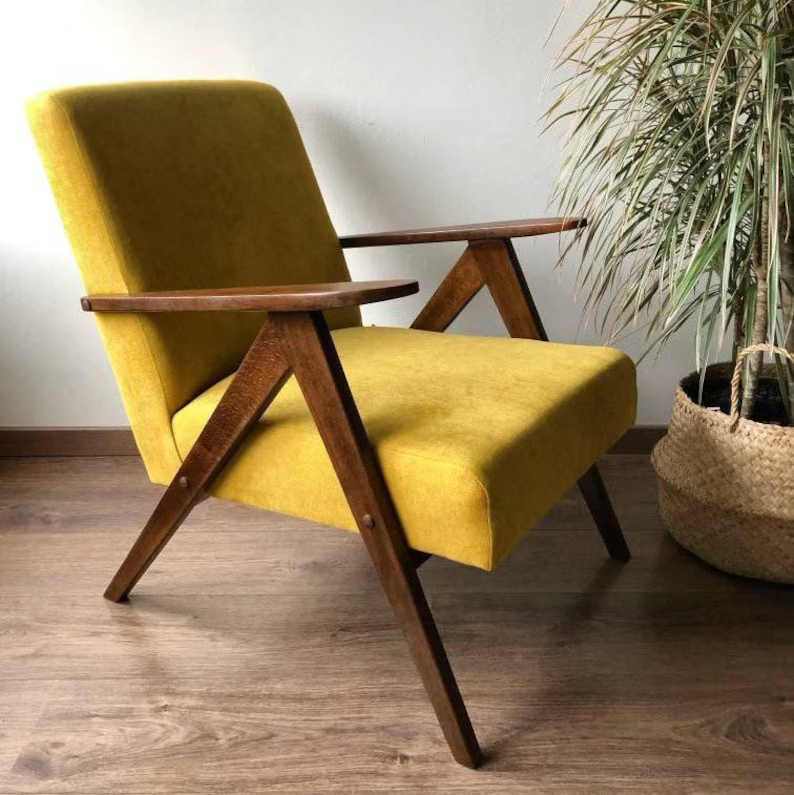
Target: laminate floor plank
[297,557]
[259,655]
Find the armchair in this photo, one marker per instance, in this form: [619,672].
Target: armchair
[179,196]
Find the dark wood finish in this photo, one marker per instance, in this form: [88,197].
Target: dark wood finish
[259,656]
[639,440]
[258,380]
[508,286]
[301,342]
[82,441]
[453,295]
[591,484]
[279,298]
[66,441]
[500,230]
[311,354]
[526,293]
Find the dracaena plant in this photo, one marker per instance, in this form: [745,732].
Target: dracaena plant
[680,155]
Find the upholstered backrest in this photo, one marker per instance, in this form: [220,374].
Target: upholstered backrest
[182,185]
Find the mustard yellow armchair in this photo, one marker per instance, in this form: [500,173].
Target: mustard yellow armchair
[225,304]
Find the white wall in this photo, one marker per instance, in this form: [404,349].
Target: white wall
[415,113]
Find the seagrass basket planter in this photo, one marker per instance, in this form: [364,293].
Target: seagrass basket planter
[726,488]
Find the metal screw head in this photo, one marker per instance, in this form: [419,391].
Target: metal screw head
[184,482]
[368,521]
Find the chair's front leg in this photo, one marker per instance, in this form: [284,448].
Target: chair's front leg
[313,359]
[258,380]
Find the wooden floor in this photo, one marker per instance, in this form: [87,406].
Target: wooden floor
[259,656]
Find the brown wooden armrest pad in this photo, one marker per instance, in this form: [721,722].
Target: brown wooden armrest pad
[496,230]
[280,298]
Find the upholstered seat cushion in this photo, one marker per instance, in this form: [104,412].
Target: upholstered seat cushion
[477,437]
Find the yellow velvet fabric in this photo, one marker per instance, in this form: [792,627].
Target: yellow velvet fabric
[178,186]
[477,437]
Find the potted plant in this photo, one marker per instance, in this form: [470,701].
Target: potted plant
[681,156]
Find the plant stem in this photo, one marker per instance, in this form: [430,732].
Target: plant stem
[787,307]
[739,318]
[761,324]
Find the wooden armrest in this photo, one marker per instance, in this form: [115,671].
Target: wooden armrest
[497,230]
[279,298]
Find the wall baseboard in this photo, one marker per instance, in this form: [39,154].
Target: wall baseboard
[639,440]
[28,442]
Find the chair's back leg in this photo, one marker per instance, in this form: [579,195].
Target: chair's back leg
[595,495]
[505,280]
[502,273]
[313,359]
[258,380]
[452,296]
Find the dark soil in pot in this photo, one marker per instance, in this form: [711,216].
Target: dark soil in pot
[769,407]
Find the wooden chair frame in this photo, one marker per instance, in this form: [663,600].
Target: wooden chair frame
[295,339]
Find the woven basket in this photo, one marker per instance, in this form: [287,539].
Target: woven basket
[726,486]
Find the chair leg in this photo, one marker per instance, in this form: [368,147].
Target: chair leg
[453,295]
[313,359]
[504,277]
[595,495]
[258,380]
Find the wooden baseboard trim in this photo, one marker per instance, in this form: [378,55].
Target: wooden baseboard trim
[28,442]
[639,440]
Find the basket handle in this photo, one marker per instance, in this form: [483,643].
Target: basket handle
[737,374]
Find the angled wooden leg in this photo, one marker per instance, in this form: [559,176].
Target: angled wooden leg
[313,358]
[503,275]
[595,495]
[505,279]
[258,380]
[453,295]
